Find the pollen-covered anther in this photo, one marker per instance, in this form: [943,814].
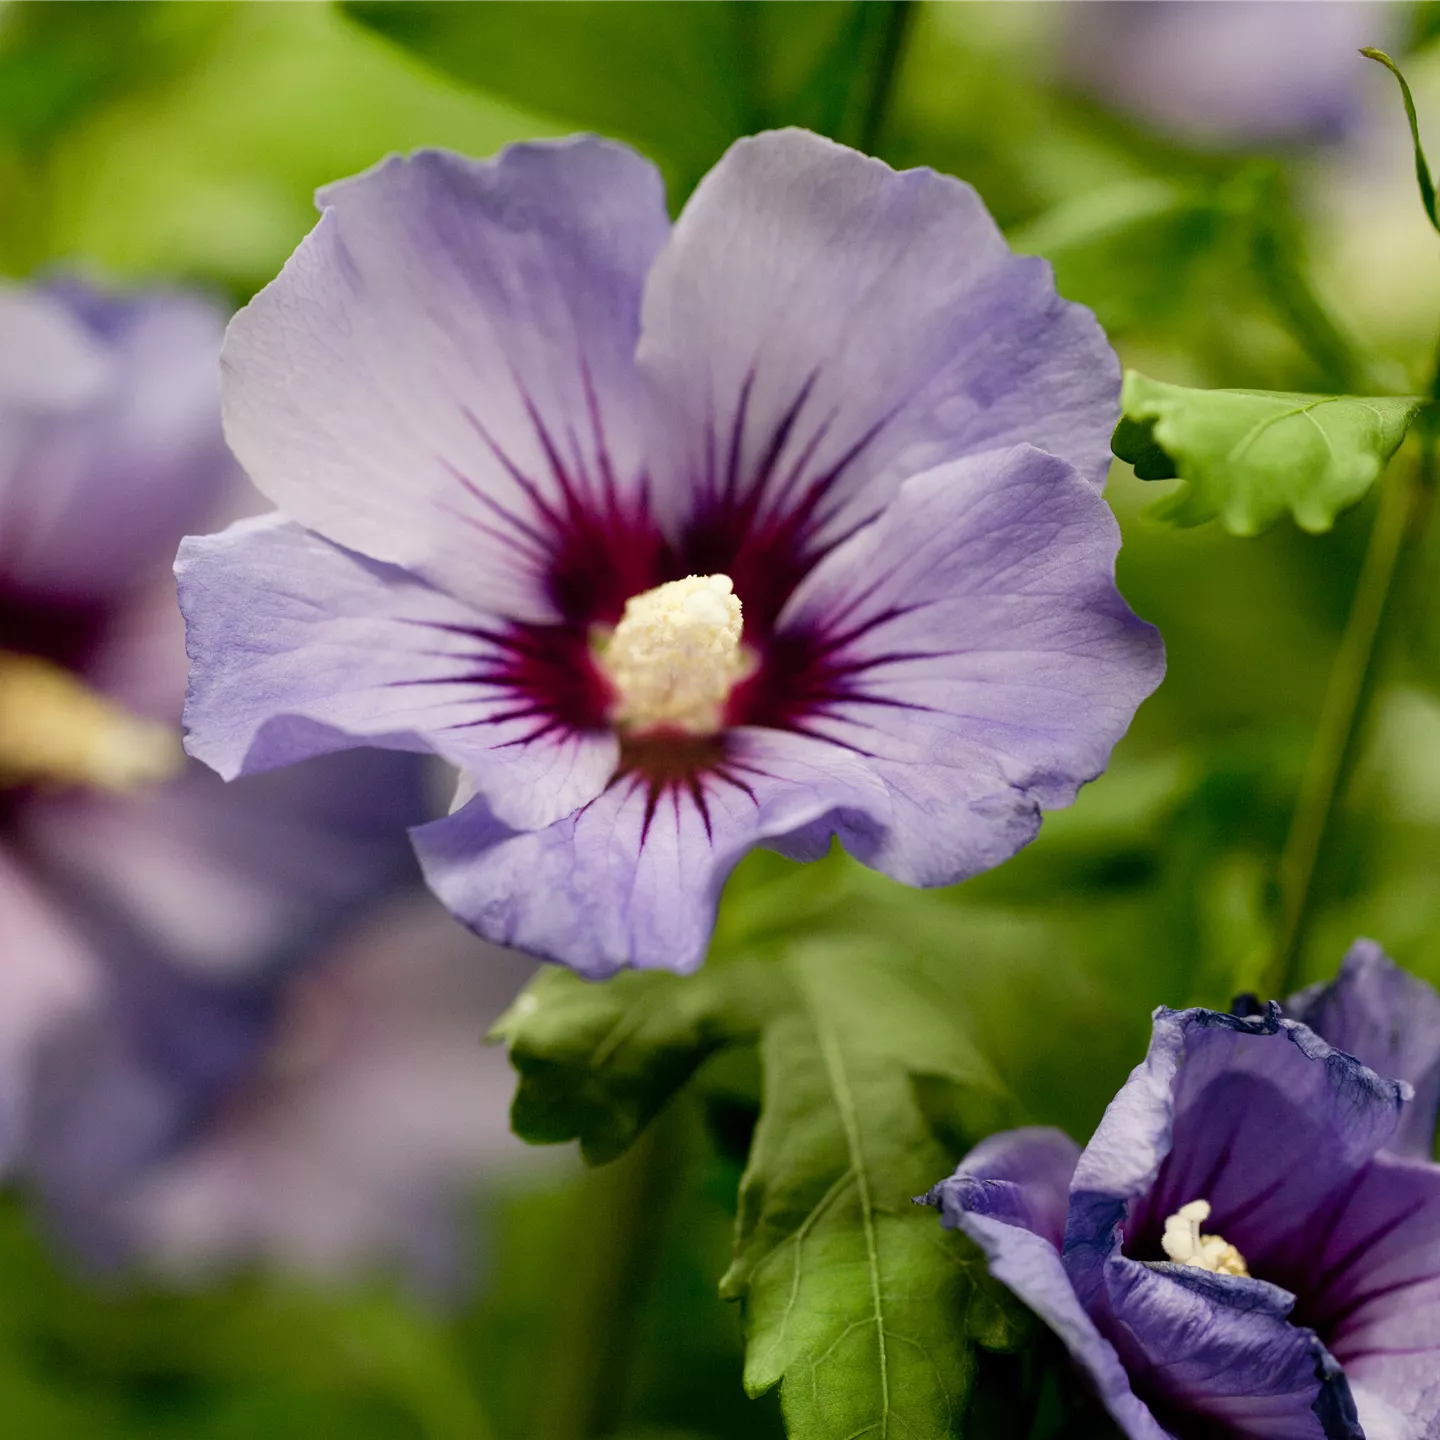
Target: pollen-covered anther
[55,730]
[1184,1244]
[675,655]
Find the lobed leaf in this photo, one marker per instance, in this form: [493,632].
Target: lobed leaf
[855,1301]
[1249,456]
[854,1298]
[597,1063]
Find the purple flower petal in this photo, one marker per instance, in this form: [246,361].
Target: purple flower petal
[1373,1287]
[1005,1196]
[1233,1111]
[324,1119]
[634,877]
[49,362]
[1222,1347]
[442,376]
[95,492]
[820,327]
[1390,1021]
[302,648]
[1019,1176]
[49,973]
[970,645]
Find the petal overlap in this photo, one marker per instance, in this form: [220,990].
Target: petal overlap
[820,327]
[634,878]
[935,648]
[303,648]
[1390,1021]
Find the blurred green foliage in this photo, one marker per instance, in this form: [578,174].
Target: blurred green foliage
[184,141]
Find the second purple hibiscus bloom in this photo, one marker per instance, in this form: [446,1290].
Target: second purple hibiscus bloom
[1249,1246]
[777,525]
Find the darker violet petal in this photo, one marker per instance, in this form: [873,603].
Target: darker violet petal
[971,646]
[95,491]
[1234,1111]
[1373,1288]
[819,327]
[443,373]
[1222,1347]
[634,877]
[1390,1021]
[1019,1176]
[1000,1211]
[301,647]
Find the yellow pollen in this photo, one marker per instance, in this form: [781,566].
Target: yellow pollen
[1184,1244]
[675,655]
[55,730]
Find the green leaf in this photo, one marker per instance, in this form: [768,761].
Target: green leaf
[597,1063]
[1249,456]
[679,81]
[855,1300]
[1422,167]
[853,1296]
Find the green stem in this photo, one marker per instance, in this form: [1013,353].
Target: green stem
[622,1225]
[1404,509]
[898,16]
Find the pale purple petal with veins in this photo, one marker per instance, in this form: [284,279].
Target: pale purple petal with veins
[820,327]
[970,645]
[443,374]
[302,647]
[1374,1288]
[634,878]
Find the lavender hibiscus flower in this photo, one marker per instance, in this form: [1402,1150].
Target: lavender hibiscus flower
[779,525]
[1249,1245]
[186,969]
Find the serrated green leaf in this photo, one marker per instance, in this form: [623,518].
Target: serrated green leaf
[853,1297]
[598,1062]
[1249,456]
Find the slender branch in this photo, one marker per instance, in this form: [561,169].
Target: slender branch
[1405,506]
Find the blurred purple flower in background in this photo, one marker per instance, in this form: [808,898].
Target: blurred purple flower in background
[674,541]
[1253,72]
[1257,1210]
[187,970]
